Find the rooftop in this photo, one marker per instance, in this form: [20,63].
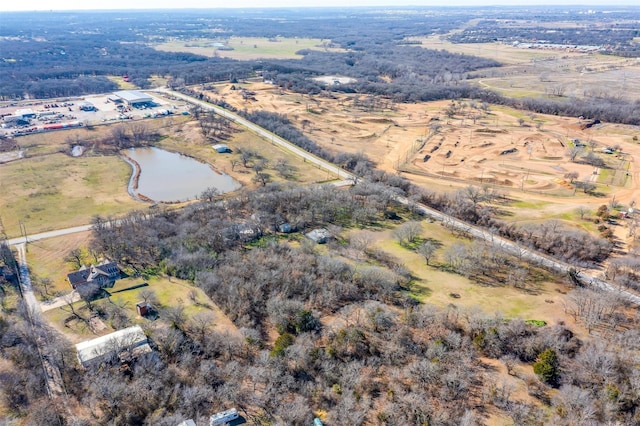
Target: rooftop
[133,96]
[132,338]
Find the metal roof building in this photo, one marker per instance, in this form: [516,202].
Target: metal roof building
[123,343]
[133,97]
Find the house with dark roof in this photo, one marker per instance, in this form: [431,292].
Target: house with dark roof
[105,274]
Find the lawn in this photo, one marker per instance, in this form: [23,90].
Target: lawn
[246,48]
[122,85]
[170,292]
[58,191]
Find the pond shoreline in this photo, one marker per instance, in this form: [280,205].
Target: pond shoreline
[186,177]
[134,178]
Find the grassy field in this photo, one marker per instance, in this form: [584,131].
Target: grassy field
[51,190]
[169,292]
[122,85]
[46,259]
[188,140]
[433,284]
[246,48]
[58,191]
[552,73]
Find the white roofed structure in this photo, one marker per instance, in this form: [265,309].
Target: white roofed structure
[125,343]
[223,417]
[133,97]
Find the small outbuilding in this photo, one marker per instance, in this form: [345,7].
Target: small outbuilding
[143,308]
[319,235]
[221,148]
[188,423]
[223,417]
[285,228]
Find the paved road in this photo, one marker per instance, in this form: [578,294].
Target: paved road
[58,302]
[53,378]
[49,234]
[507,245]
[269,136]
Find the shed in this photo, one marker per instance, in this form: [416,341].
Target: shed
[133,97]
[285,228]
[221,148]
[319,235]
[123,343]
[188,423]
[86,106]
[143,308]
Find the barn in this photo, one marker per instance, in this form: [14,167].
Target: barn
[123,344]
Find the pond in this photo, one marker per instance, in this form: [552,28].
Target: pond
[166,176]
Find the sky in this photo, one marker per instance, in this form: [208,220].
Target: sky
[12,5]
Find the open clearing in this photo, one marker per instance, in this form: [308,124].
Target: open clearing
[58,191]
[125,294]
[432,284]
[49,189]
[538,72]
[247,48]
[46,259]
[523,154]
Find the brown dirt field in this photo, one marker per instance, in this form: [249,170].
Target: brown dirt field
[399,137]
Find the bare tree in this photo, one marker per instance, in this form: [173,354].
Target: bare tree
[407,232]
[210,194]
[75,258]
[139,133]
[427,249]
[148,295]
[582,211]
[574,152]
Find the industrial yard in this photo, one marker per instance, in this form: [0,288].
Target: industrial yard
[27,117]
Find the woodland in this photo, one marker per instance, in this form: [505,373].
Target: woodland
[333,331]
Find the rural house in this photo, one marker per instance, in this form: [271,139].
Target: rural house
[105,274]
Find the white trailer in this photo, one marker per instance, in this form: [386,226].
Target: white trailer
[223,417]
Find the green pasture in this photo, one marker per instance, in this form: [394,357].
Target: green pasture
[58,191]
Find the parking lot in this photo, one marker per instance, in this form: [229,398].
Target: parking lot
[48,115]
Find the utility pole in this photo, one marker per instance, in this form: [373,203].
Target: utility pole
[23,230]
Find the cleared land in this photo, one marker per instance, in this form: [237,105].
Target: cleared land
[553,73]
[58,191]
[46,260]
[49,189]
[247,48]
[446,146]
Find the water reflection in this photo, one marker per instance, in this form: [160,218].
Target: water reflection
[167,176]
